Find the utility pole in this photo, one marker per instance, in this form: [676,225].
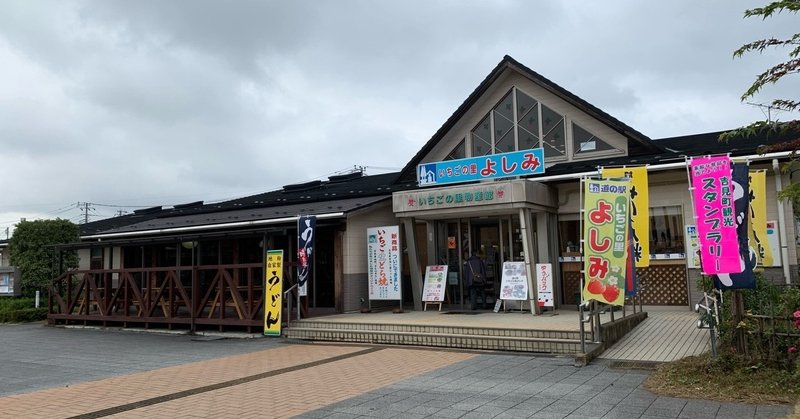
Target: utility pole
[85,207]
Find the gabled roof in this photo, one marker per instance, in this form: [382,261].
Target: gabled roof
[709,143]
[676,149]
[343,193]
[645,144]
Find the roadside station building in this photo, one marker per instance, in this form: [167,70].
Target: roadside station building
[201,265]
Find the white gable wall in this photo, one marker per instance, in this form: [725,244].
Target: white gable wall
[497,91]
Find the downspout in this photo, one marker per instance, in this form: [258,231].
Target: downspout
[781,224]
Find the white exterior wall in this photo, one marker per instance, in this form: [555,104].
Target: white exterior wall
[497,91]
[354,266]
[671,188]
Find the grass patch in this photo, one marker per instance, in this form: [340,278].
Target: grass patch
[724,380]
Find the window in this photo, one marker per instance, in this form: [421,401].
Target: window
[527,121]
[459,152]
[555,138]
[520,122]
[666,230]
[96,258]
[585,142]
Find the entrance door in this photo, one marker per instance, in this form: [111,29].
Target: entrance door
[486,241]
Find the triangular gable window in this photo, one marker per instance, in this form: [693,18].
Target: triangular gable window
[584,142]
[459,152]
[554,140]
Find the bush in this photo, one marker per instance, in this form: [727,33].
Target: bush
[18,310]
[24,315]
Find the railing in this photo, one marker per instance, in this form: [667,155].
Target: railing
[225,296]
[289,303]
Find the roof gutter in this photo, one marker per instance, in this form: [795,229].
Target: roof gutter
[659,167]
[206,227]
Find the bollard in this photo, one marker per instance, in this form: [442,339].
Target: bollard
[37,298]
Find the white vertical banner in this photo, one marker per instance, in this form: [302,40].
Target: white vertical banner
[383,263]
[544,284]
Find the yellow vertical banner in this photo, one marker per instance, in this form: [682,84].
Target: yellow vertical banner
[758,218]
[640,209]
[273,293]
[605,240]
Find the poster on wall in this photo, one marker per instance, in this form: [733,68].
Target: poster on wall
[306,225]
[435,283]
[383,263]
[774,243]
[544,284]
[514,281]
[640,209]
[692,247]
[273,293]
[605,235]
[712,192]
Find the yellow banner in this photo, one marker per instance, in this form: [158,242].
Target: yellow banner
[758,218]
[273,293]
[640,209]
[605,240]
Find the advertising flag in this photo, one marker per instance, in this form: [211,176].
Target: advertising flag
[306,225]
[640,209]
[273,293]
[758,219]
[631,286]
[713,209]
[741,196]
[605,240]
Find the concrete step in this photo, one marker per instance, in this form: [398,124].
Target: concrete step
[540,341]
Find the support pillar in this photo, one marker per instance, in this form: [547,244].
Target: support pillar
[528,250]
[413,261]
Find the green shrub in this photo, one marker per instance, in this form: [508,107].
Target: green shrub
[19,310]
[24,315]
[12,303]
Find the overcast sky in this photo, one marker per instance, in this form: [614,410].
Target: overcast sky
[141,103]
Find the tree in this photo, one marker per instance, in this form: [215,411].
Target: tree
[772,76]
[31,249]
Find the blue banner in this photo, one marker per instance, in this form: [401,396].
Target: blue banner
[493,166]
[741,203]
[305,251]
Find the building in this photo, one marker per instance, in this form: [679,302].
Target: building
[201,265]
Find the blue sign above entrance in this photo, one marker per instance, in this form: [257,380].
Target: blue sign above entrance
[493,166]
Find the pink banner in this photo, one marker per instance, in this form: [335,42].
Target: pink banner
[713,207]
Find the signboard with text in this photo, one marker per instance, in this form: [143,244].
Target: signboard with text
[493,166]
[383,263]
[435,283]
[514,281]
[273,293]
[544,284]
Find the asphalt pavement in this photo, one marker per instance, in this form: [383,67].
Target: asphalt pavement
[77,372]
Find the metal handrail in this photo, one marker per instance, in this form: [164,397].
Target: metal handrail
[289,303]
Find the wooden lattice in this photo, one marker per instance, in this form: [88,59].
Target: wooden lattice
[663,285]
[572,285]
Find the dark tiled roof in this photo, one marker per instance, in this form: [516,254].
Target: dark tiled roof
[345,192]
[708,143]
[243,216]
[638,142]
[677,148]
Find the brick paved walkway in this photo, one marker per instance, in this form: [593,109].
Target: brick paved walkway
[258,384]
